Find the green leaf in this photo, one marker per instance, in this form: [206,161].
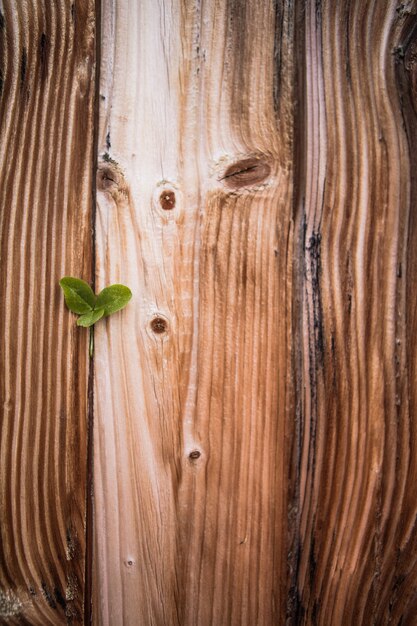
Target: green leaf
[113,298]
[79,296]
[90,318]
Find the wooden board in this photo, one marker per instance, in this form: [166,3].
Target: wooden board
[255,404]
[357,507]
[47,64]
[194,385]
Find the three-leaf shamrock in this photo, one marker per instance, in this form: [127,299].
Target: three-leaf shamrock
[81,299]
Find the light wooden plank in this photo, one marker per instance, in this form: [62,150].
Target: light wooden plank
[47,63]
[193,384]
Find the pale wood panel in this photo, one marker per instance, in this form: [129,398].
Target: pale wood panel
[47,61]
[357,504]
[193,412]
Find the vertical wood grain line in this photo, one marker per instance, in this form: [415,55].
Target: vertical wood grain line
[89,532]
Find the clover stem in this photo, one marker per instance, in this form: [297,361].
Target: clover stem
[91,345]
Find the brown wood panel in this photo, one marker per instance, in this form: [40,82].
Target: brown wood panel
[357,503]
[255,404]
[47,65]
[194,383]
[255,460]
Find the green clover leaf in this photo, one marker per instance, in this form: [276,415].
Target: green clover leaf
[90,318]
[113,298]
[81,299]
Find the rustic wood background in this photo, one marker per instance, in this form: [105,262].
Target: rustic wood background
[248,425]
[47,81]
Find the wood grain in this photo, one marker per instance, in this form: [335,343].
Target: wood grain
[47,59]
[255,404]
[357,505]
[193,385]
[255,444]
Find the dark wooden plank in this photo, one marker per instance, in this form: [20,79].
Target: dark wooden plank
[356,218]
[47,64]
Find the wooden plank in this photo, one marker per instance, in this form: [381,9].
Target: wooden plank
[47,63]
[193,384]
[357,504]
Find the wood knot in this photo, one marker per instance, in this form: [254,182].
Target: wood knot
[167,199]
[110,178]
[159,325]
[246,173]
[194,455]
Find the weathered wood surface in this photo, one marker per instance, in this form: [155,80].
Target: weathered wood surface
[255,460]
[255,404]
[47,61]
[357,505]
[191,412]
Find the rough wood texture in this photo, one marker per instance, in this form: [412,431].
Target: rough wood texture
[255,442]
[193,380]
[47,59]
[255,404]
[358,463]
